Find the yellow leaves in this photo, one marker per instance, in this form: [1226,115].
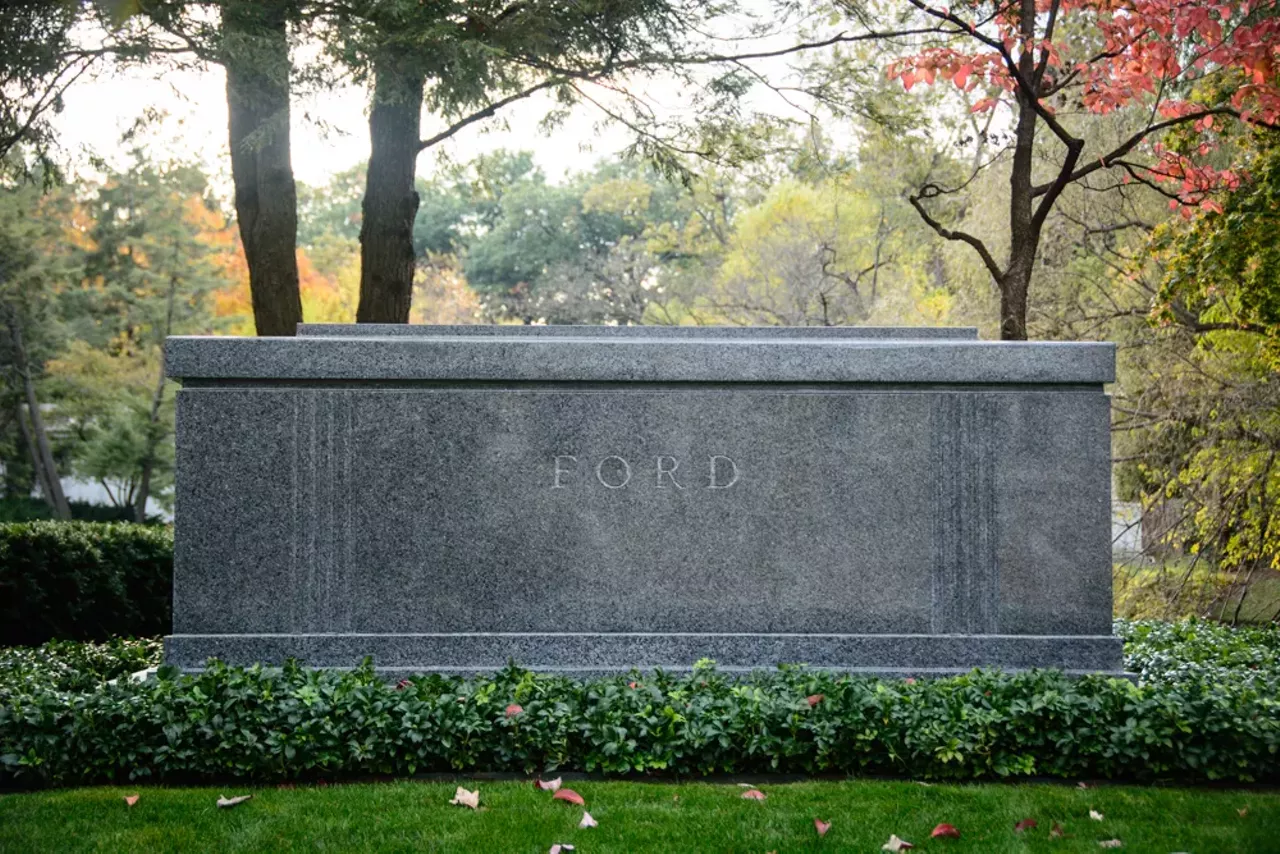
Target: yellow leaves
[626,197]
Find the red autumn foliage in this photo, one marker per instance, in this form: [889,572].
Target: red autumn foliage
[570,796]
[947,831]
[1149,48]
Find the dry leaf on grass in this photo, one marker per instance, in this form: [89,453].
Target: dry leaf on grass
[896,844]
[945,830]
[547,785]
[1095,815]
[570,796]
[514,709]
[587,821]
[1082,785]
[814,699]
[753,795]
[226,802]
[821,826]
[1056,832]
[1111,843]
[1242,812]
[130,800]
[463,798]
[1025,824]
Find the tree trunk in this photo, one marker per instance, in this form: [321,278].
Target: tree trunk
[390,200]
[153,420]
[1013,306]
[1024,236]
[37,469]
[256,57]
[42,454]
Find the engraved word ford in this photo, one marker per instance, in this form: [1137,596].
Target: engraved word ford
[593,499]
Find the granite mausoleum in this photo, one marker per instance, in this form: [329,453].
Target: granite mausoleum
[900,501]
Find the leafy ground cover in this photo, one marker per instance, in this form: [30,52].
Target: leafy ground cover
[643,817]
[1207,708]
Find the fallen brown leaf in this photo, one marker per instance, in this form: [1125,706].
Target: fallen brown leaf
[1056,832]
[1095,815]
[814,699]
[547,785]
[587,821]
[896,844]
[569,795]
[514,709]
[945,830]
[226,802]
[1025,824]
[1111,843]
[1242,812]
[821,826]
[463,798]
[753,795]
[130,800]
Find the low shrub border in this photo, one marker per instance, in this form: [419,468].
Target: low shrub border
[296,723]
[83,581]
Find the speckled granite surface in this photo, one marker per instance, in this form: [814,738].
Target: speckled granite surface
[598,501]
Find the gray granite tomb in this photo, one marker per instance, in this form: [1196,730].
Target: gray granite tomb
[587,499]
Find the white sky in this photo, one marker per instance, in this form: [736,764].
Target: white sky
[330,129]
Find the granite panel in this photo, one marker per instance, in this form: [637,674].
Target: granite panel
[601,653]
[587,502]
[593,359]
[394,330]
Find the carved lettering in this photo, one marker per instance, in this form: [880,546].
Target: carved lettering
[669,472]
[556,484]
[626,471]
[615,472]
[715,469]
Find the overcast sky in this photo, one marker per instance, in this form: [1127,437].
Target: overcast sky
[330,130]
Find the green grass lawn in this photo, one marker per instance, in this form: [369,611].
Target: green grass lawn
[640,817]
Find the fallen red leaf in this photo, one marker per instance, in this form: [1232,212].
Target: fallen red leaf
[753,795]
[402,684]
[1025,824]
[569,795]
[814,699]
[631,684]
[947,830]
[910,680]
[821,826]
[514,709]
[130,800]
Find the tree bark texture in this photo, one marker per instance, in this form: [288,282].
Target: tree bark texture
[256,58]
[390,201]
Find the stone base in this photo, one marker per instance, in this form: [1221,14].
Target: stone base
[586,654]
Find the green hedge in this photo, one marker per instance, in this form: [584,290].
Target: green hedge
[1207,707]
[301,724]
[83,581]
